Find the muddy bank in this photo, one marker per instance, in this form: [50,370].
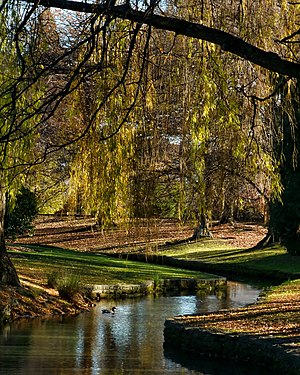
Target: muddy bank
[29,303]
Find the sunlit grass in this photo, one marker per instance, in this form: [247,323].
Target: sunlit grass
[38,262]
[216,252]
[288,291]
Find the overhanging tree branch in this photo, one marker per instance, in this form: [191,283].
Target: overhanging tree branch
[226,41]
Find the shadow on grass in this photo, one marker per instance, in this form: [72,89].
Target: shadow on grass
[94,269]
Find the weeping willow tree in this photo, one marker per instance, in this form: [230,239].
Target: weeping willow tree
[238,157]
[196,144]
[101,172]
[42,71]
[198,129]
[37,83]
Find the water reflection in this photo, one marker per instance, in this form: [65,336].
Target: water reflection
[129,342]
[208,366]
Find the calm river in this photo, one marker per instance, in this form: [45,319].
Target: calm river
[130,342]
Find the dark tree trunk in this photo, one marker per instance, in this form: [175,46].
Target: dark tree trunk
[285,215]
[8,274]
[285,212]
[202,229]
[227,213]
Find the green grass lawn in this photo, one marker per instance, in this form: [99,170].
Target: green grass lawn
[36,263]
[217,252]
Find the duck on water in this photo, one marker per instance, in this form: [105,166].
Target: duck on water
[111,311]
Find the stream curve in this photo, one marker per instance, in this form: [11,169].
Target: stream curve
[127,342]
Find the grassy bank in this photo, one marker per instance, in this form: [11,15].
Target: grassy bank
[270,261]
[271,327]
[277,314]
[275,318]
[71,271]
[35,263]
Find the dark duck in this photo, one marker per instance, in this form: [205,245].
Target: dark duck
[111,311]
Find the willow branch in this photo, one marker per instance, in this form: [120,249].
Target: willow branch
[226,41]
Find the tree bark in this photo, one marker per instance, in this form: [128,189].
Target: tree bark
[284,222]
[227,213]
[285,215]
[202,229]
[226,41]
[8,274]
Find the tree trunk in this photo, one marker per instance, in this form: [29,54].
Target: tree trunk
[285,213]
[8,274]
[202,229]
[227,213]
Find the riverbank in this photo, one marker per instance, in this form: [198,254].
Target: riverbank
[30,302]
[82,236]
[59,281]
[226,254]
[267,333]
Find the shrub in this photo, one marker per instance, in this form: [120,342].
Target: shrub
[19,217]
[52,279]
[67,284]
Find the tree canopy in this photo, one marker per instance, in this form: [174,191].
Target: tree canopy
[151,108]
[227,41]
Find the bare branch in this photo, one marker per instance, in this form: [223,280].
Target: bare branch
[226,41]
[287,38]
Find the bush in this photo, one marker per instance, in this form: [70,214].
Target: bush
[52,279]
[67,284]
[19,217]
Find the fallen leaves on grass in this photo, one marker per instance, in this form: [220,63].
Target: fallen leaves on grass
[83,234]
[260,319]
[276,317]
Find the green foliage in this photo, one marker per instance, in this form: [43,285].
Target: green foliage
[187,146]
[19,217]
[53,279]
[67,283]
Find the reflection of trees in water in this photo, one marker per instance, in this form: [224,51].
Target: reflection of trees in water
[241,294]
[129,339]
[95,342]
[99,343]
[14,337]
[235,295]
[41,345]
[85,332]
[213,301]
[133,335]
